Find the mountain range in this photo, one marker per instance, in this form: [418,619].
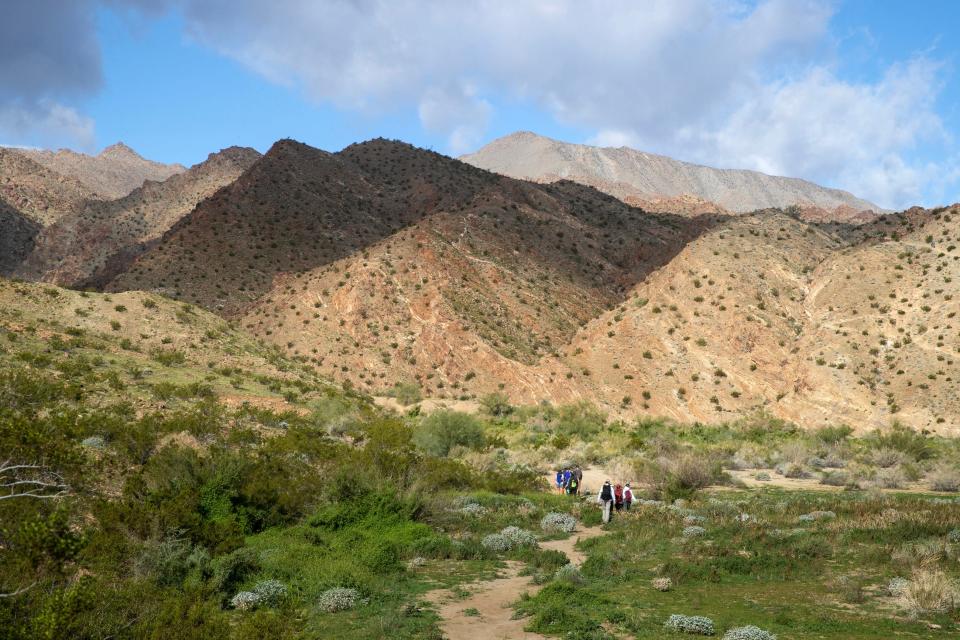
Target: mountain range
[645,285]
[646,179]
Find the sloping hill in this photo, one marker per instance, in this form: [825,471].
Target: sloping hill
[92,244]
[17,237]
[307,243]
[766,312]
[37,192]
[629,174]
[113,173]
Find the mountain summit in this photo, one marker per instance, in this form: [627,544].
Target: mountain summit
[642,178]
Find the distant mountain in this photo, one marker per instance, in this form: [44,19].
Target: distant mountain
[114,173]
[97,240]
[37,192]
[386,263]
[639,177]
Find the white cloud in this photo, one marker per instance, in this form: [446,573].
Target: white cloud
[46,124]
[649,68]
[459,113]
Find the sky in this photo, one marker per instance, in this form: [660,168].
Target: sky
[862,95]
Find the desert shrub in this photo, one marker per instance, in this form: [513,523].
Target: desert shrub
[748,632]
[945,478]
[693,519]
[887,457]
[581,419]
[245,601]
[897,586]
[680,476]
[697,625]
[693,531]
[835,478]
[439,432]
[904,439]
[570,573]
[930,591]
[168,357]
[817,515]
[889,478]
[234,568]
[662,584]
[496,404]
[338,599]
[792,470]
[833,434]
[519,537]
[954,536]
[407,393]
[763,476]
[558,522]
[270,592]
[497,542]
[473,510]
[164,562]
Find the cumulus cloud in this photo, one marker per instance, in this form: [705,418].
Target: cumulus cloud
[646,67]
[49,55]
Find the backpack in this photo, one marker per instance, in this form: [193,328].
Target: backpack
[618,493]
[606,493]
[627,494]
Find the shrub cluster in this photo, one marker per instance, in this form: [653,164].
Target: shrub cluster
[697,625]
[748,632]
[338,599]
[558,522]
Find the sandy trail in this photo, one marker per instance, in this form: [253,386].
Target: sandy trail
[492,599]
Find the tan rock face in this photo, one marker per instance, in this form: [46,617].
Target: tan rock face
[640,177]
[36,192]
[114,173]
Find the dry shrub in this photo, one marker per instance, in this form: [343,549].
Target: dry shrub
[930,591]
[681,475]
[945,478]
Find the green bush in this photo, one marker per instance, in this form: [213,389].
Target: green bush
[439,432]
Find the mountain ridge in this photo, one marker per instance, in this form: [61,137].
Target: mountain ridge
[630,173]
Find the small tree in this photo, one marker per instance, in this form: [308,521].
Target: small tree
[439,432]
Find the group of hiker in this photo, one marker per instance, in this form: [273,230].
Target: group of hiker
[611,497]
[569,480]
[614,497]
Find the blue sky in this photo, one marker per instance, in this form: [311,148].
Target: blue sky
[857,94]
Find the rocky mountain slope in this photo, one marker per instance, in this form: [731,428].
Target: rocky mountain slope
[384,264]
[637,176]
[97,240]
[395,264]
[113,173]
[17,236]
[37,192]
[768,313]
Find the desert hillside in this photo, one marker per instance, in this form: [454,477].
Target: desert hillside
[113,173]
[37,192]
[629,174]
[97,240]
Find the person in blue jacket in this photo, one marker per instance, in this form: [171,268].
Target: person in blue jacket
[567,474]
[559,480]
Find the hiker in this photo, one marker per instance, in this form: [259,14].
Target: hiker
[559,481]
[605,498]
[627,497]
[573,486]
[567,474]
[618,497]
[578,475]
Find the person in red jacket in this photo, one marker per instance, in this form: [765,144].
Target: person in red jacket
[618,497]
[627,496]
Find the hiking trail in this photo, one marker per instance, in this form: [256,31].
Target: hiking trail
[492,598]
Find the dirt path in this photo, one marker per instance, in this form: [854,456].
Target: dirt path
[489,601]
